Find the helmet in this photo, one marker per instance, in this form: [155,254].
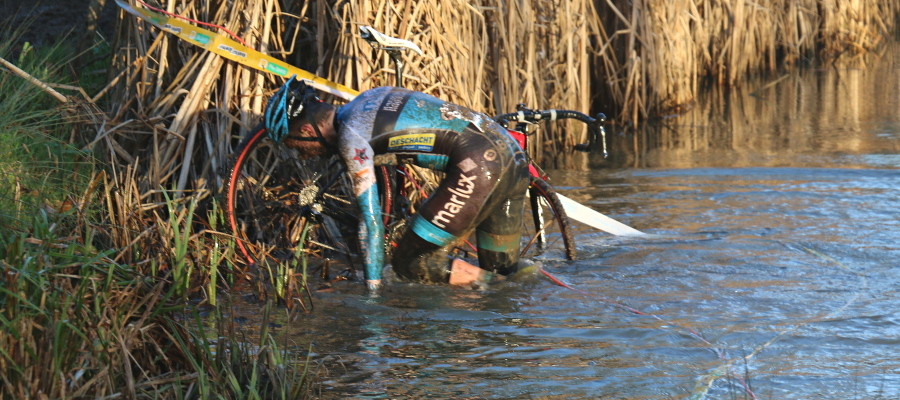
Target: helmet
[286,105]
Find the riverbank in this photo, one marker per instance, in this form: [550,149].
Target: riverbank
[78,319]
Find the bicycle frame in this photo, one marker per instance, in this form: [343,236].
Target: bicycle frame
[522,139]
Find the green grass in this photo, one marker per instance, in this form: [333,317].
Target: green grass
[97,299]
[74,323]
[39,168]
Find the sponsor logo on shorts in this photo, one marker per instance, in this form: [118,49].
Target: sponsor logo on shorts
[467,165]
[461,192]
[490,155]
[415,141]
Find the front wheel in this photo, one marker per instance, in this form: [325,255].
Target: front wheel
[550,230]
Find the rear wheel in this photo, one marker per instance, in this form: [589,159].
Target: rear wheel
[403,190]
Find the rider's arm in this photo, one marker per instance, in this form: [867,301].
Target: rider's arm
[358,157]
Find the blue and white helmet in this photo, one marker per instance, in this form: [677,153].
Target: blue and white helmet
[286,105]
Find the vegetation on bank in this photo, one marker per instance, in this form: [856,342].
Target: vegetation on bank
[96,284]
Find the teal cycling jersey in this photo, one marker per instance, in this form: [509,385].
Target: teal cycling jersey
[485,180]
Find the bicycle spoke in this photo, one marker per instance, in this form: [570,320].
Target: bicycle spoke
[271,195]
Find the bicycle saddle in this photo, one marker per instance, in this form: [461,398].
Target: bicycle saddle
[374,37]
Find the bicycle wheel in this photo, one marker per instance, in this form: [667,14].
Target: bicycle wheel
[550,228]
[271,196]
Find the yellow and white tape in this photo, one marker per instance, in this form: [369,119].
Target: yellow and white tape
[235,51]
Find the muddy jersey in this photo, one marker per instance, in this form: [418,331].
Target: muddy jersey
[404,126]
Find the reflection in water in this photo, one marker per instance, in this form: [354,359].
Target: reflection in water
[773,268]
[791,120]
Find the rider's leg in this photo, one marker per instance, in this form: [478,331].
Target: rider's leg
[443,220]
[449,215]
[419,260]
[499,231]
[487,183]
[499,237]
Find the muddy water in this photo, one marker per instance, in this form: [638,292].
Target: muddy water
[772,269]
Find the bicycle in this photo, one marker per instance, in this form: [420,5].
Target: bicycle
[275,202]
[276,206]
[541,193]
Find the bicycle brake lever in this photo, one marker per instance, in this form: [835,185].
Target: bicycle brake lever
[592,137]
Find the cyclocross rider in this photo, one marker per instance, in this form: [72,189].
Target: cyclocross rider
[484,188]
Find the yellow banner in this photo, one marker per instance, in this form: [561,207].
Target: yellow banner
[235,51]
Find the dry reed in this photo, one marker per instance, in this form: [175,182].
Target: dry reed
[176,109]
[660,50]
[487,55]
[769,122]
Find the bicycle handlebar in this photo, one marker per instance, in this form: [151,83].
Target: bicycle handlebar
[528,116]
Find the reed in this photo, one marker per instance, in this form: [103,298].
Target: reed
[75,323]
[95,269]
[487,55]
[39,168]
[660,51]
[180,108]
[769,122]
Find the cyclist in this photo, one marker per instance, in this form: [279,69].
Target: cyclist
[484,188]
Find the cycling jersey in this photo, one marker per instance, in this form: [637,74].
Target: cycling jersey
[483,189]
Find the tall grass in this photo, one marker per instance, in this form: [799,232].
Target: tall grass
[75,323]
[659,51]
[778,118]
[96,273]
[39,167]
[489,55]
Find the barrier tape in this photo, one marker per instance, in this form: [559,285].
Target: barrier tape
[588,216]
[234,51]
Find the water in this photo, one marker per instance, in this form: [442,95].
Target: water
[771,269]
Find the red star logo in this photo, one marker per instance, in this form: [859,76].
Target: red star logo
[361,156]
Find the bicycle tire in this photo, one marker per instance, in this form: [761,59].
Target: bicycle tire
[542,195]
[267,208]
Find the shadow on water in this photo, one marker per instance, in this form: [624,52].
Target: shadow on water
[772,269]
